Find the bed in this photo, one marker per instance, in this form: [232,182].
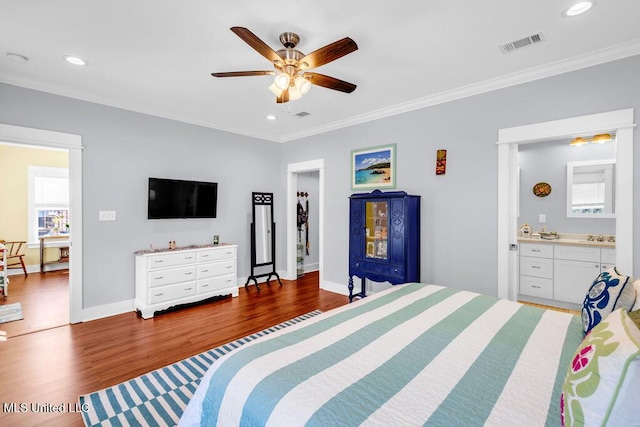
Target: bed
[415,354]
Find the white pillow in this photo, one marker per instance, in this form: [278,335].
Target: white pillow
[636,305]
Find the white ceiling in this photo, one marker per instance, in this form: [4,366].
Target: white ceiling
[156,56]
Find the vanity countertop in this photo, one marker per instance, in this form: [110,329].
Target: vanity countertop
[569,241]
[180,248]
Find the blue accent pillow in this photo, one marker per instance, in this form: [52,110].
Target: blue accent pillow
[609,292]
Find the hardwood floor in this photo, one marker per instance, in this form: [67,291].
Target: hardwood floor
[57,365]
[44,298]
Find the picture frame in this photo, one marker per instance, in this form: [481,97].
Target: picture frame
[373,168]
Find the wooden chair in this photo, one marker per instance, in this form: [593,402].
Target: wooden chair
[14,255]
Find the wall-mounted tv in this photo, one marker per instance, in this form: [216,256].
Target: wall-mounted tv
[172,198]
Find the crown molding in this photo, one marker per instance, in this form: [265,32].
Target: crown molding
[602,56]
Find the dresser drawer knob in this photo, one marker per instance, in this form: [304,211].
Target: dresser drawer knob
[536,287]
[160,294]
[535,266]
[188,273]
[205,271]
[187,289]
[159,277]
[158,260]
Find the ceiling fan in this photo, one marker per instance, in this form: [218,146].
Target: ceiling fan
[292,78]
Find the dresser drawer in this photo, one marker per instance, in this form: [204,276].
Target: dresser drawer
[169,260]
[172,275]
[216,254]
[536,287]
[536,267]
[214,283]
[536,250]
[172,292]
[216,269]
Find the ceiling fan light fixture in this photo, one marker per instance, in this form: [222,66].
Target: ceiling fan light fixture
[282,81]
[294,93]
[275,89]
[303,85]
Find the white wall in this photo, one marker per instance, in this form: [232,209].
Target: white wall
[309,182]
[459,209]
[122,149]
[547,162]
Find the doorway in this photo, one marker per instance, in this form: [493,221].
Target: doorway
[618,122]
[292,229]
[73,143]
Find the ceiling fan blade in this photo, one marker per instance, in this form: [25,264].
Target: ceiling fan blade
[329,53]
[284,97]
[261,47]
[243,73]
[330,82]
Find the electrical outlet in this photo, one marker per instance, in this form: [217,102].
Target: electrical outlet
[107,216]
[542,218]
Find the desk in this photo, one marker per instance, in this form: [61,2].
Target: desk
[59,241]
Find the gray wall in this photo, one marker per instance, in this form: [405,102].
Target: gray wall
[459,209]
[121,150]
[547,162]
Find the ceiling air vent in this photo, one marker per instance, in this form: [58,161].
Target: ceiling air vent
[519,44]
[302,114]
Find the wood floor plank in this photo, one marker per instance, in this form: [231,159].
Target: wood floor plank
[56,365]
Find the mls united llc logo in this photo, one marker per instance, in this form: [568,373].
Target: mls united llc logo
[44,407]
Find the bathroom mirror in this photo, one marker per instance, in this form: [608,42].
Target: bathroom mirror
[591,189]
[263,239]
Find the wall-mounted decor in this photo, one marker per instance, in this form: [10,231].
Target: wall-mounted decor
[441,162]
[373,167]
[542,189]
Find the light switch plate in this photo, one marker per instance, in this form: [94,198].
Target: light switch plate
[542,218]
[107,216]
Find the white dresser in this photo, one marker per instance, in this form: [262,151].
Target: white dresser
[180,276]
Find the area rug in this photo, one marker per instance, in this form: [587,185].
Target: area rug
[11,312]
[160,397]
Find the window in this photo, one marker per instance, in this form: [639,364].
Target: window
[48,202]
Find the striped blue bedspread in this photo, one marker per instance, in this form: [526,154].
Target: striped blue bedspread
[415,354]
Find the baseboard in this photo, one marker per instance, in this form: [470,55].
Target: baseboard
[308,268]
[35,268]
[338,288]
[98,312]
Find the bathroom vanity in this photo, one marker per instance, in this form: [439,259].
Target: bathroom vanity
[559,272]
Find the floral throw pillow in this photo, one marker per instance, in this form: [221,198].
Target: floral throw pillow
[602,382]
[610,291]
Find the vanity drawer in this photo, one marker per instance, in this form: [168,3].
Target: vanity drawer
[216,254]
[536,250]
[536,267]
[216,269]
[608,257]
[214,283]
[169,260]
[578,253]
[172,292]
[173,275]
[536,287]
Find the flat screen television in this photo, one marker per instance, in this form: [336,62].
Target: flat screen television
[173,198]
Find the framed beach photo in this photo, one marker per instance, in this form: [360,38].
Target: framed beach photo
[373,168]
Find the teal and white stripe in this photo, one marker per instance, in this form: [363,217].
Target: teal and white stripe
[159,397]
[416,354]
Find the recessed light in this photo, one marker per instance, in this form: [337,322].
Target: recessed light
[21,59]
[75,60]
[578,8]
[271,117]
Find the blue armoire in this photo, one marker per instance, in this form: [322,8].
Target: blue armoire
[384,238]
